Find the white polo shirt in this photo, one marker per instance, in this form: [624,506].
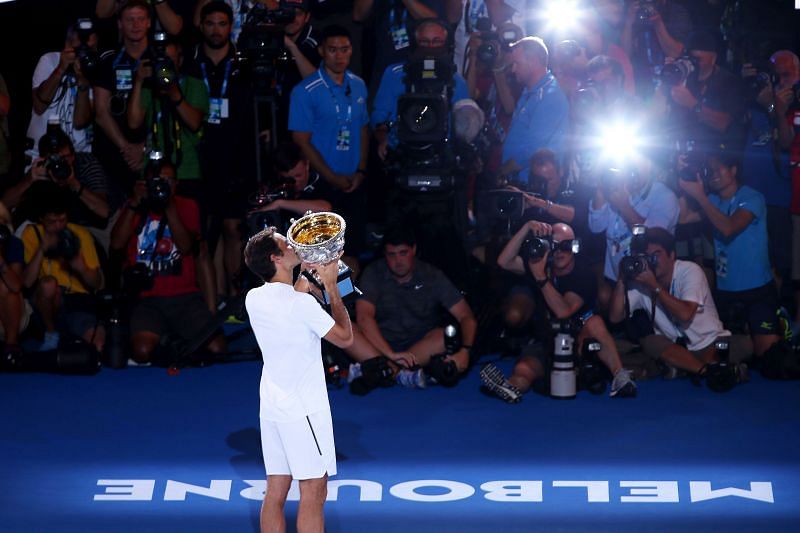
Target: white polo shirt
[289,326]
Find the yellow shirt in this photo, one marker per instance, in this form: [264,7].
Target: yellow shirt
[55,267]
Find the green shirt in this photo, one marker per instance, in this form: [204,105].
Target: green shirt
[195,93]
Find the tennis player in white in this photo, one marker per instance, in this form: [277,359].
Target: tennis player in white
[296,425]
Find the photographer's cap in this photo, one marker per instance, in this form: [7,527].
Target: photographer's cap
[295,4]
[702,40]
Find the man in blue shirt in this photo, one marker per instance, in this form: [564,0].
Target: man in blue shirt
[429,34]
[744,278]
[626,199]
[541,117]
[328,120]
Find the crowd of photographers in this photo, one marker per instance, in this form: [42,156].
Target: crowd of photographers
[608,194]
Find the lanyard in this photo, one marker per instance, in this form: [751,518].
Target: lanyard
[349,118]
[224,79]
[119,58]
[392,9]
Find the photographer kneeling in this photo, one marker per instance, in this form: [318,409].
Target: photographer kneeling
[160,231]
[62,268]
[684,329]
[569,290]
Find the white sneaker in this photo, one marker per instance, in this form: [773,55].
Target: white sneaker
[353,372]
[413,379]
[623,386]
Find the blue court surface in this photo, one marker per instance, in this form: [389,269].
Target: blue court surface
[138,450]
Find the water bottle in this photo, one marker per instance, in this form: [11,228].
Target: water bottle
[563,384]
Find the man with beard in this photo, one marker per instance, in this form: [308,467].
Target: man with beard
[228,180]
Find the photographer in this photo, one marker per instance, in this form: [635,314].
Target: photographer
[14,310]
[173,107]
[489,85]
[766,164]
[705,100]
[743,275]
[568,290]
[685,328]
[165,16]
[62,268]
[429,34]
[80,174]
[496,13]
[625,198]
[302,192]
[159,231]
[61,88]
[652,31]
[301,41]
[541,116]
[401,308]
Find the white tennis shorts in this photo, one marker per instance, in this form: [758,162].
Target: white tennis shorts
[303,449]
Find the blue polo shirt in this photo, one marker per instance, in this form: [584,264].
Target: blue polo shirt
[742,261]
[392,87]
[540,120]
[334,115]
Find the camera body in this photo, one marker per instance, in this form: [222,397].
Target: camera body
[164,71]
[695,161]
[493,41]
[647,10]
[763,78]
[534,248]
[159,192]
[632,265]
[88,58]
[679,71]
[58,167]
[260,220]
[67,247]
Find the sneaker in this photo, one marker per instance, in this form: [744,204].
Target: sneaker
[494,380]
[413,379]
[233,319]
[50,341]
[623,386]
[353,372]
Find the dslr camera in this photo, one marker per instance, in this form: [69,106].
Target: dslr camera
[158,187]
[57,167]
[632,265]
[260,220]
[88,58]
[164,71]
[647,10]
[67,247]
[493,41]
[696,163]
[639,260]
[679,71]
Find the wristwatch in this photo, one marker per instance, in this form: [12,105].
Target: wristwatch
[656,292]
[542,282]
